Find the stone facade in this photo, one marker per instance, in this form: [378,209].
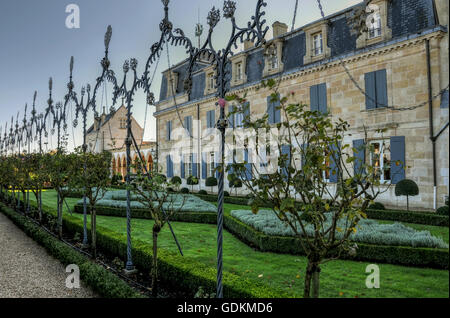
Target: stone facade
[109,131]
[399,58]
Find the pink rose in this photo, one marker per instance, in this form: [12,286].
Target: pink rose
[222,102]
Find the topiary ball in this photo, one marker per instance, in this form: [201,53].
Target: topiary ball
[202,192]
[184,190]
[211,182]
[443,210]
[175,180]
[377,206]
[406,187]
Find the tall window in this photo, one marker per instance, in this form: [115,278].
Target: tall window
[375,26]
[212,165]
[238,71]
[189,170]
[273,58]
[317,44]
[380,159]
[123,123]
[211,82]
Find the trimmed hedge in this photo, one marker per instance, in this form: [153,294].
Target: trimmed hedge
[175,271]
[410,256]
[99,279]
[191,217]
[426,218]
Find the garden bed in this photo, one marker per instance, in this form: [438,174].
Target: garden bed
[391,254]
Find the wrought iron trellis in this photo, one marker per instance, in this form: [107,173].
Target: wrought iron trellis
[255,31]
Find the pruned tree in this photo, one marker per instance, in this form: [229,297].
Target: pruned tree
[38,178]
[151,191]
[90,175]
[306,151]
[59,166]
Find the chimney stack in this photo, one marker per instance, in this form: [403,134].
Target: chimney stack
[279,29]
[248,44]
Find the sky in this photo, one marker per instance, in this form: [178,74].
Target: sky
[35,44]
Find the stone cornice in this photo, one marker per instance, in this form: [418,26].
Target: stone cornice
[377,50]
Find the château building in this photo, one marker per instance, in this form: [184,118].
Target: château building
[401,62]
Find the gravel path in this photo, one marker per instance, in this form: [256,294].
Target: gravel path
[28,271]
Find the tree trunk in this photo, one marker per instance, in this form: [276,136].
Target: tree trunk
[312,280]
[93,232]
[308,278]
[40,206]
[60,214]
[316,281]
[156,231]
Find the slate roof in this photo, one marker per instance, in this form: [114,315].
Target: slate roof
[405,18]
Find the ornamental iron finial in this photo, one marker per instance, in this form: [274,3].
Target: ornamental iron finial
[108,36]
[229,7]
[213,17]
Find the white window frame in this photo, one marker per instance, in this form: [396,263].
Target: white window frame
[383,148]
[375,27]
[318,44]
[238,71]
[212,164]
[123,123]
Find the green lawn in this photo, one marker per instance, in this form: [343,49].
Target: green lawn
[284,272]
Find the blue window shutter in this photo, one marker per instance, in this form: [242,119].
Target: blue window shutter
[168,165]
[183,173]
[286,150]
[194,165]
[204,166]
[248,166]
[208,119]
[270,106]
[444,99]
[381,88]
[231,117]
[213,118]
[277,111]
[314,98]
[190,126]
[186,125]
[360,156]
[334,169]
[371,97]
[168,131]
[397,159]
[322,92]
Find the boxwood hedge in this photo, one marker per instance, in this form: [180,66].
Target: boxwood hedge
[99,279]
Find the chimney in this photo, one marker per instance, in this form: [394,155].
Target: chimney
[279,29]
[442,11]
[248,44]
[103,117]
